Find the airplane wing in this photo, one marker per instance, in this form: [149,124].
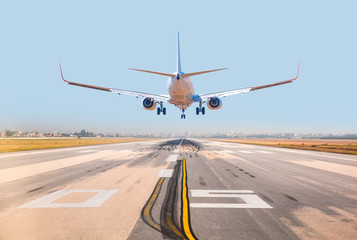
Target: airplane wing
[155,97]
[205,97]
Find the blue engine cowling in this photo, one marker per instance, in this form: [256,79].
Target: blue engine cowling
[149,104]
[214,103]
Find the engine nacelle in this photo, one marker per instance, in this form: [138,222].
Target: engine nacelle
[214,103]
[149,104]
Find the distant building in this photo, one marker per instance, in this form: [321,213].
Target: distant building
[17,134]
[34,134]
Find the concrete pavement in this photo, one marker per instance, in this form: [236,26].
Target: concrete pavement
[177,189]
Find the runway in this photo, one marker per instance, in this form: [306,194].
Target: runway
[177,189]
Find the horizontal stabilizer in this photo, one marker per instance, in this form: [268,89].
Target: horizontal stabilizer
[198,73]
[158,73]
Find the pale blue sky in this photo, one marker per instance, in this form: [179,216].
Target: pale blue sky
[259,41]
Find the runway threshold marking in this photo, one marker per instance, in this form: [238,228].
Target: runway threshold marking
[165,173]
[146,213]
[250,199]
[185,214]
[47,201]
[172,158]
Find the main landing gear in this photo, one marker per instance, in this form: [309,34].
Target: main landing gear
[161,109]
[183,115]
[200,109]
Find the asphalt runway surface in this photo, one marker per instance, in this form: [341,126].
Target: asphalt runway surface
[177,189]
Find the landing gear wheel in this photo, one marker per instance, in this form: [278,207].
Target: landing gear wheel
[164,111]
[158,111]
[200,109]
[183,116]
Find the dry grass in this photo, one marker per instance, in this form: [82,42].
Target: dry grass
[334,146]
[13,145]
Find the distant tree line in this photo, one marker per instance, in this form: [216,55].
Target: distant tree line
[9,133]
[346,136]
[84,133]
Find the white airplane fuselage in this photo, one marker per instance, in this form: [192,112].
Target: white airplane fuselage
[181,91]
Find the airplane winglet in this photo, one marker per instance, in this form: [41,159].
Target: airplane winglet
[278,83]
[62,74]
[297,74]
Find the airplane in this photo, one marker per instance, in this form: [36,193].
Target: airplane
[181,91]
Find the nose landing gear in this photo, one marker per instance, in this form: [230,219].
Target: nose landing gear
[183,115]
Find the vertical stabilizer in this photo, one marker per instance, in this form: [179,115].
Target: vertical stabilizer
[178,64]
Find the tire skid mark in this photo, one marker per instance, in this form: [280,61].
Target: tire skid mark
[169,226]
[146,212]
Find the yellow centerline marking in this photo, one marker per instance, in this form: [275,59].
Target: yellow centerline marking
[146,212]
[185,205]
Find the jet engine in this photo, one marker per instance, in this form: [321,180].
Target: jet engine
[149,104]
[214,103]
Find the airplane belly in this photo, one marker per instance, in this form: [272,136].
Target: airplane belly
[181,93]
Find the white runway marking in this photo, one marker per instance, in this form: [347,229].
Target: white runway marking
[47,201]
[16,173]
[251,200]
[228,151]
[318,154]
[105,151]
[218,193]
[171,158]
[176,150]
[265,152]
[34,152]
[86,151]
[165,173]
[242,151]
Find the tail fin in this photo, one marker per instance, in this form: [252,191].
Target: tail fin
[178,66]
[178,63]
